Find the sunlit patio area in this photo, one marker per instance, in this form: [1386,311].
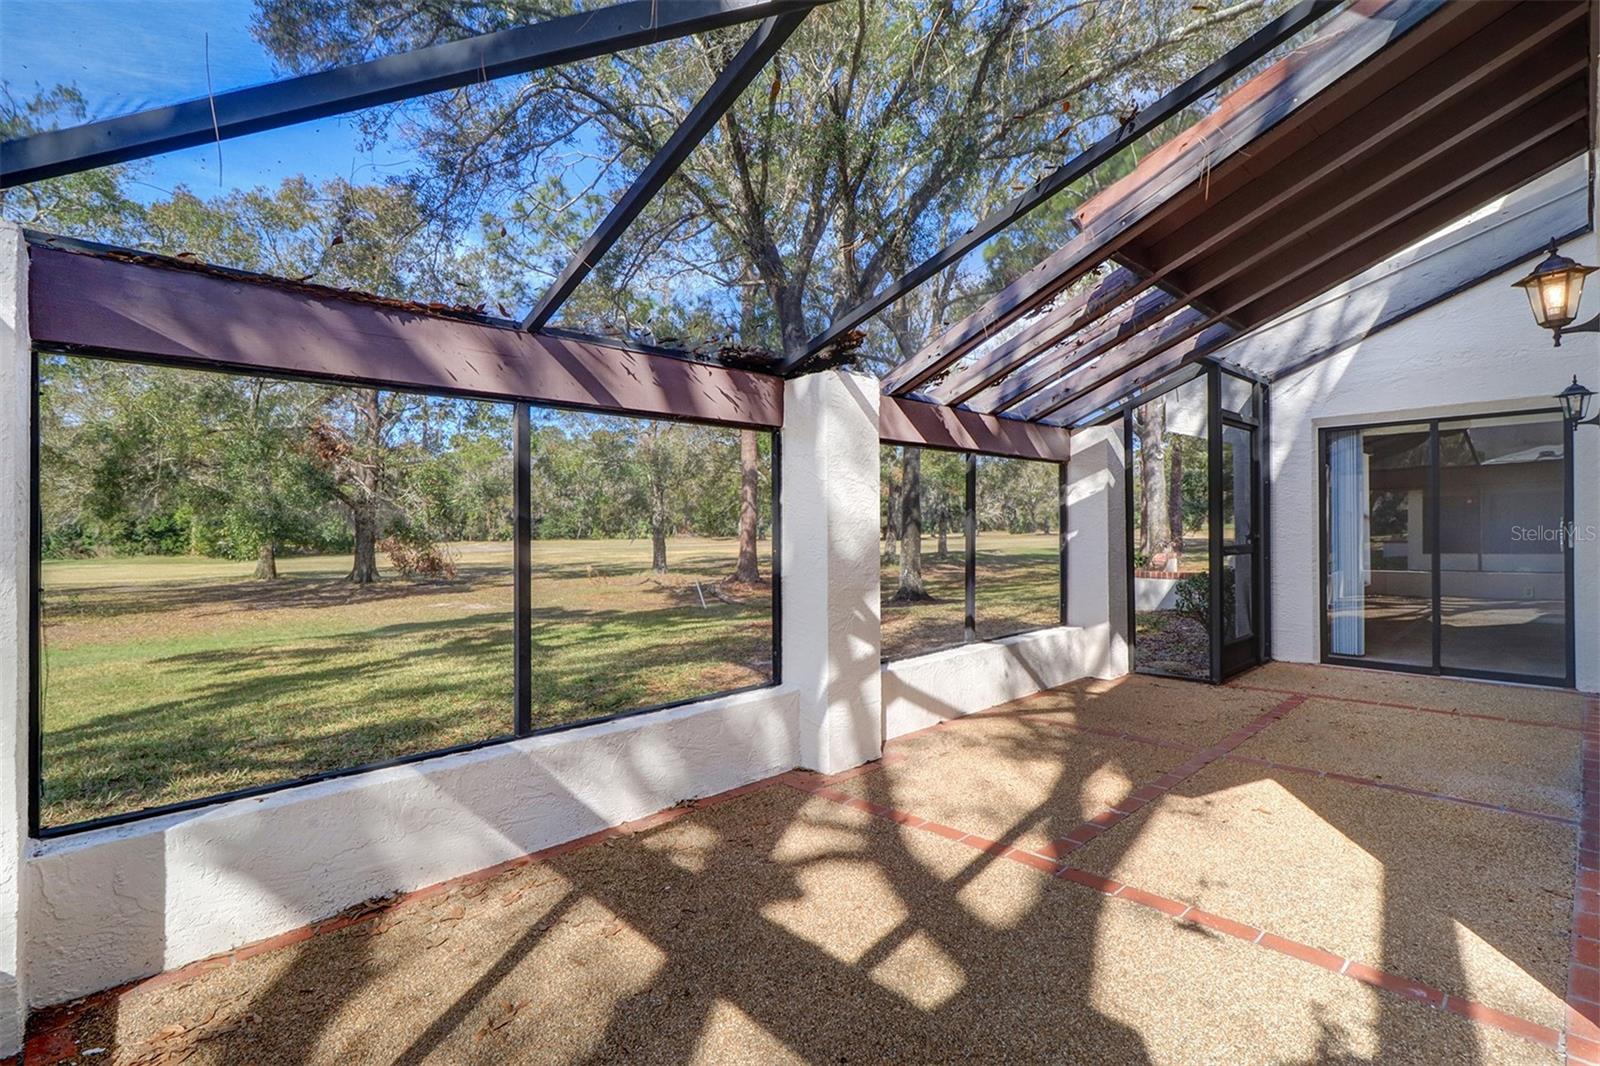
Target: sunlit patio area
[1310,864]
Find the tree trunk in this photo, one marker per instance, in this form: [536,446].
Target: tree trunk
[748,570]
[911,588]
[368,480]
[267,562]
[364,570]
[658,545]
[944,538]
[1157,534]
[1175,496]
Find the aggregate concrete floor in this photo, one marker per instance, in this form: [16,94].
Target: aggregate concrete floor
[1137,871]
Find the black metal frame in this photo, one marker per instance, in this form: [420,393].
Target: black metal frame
[522,620]
[735,77]
[1222,665]
[969,625]
[450,65]
[1138,125]
[1430,544]
[390,79]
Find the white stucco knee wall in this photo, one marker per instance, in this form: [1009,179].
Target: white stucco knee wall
[112,905]
[928,689]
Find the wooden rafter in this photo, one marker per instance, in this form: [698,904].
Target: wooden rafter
[1308,82]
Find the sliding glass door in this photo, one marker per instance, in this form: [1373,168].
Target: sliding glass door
[1445,547]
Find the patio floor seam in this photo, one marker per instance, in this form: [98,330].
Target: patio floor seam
[1444,711]
[1332,775]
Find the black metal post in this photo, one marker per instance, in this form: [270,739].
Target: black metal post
[970,628]
[35,613]
[1568,535]
[1214,511]
[1127,532]
[1431,513]
[522,565]
[1263,533]
[1062,564]
[777,556]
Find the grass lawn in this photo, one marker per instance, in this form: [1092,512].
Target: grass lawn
[168,679]
[1017,583]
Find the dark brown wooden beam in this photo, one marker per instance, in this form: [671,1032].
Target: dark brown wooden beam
[1475,68]
[1067,316]
[1082,349]
[1173,333]
[902,420]
[1485,65]
[1560,146]
[1360,49]
[113,306]
[1301,255]
[1477,124]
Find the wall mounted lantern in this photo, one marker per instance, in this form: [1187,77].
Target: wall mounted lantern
[1554,288]
[1575,404]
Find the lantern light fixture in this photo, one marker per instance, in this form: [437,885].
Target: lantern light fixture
[1575,400]
[1554,288]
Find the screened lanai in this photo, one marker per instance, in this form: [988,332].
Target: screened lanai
[711,530]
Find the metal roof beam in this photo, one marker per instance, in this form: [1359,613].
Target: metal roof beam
[730,83]
[378,81]
[1214,74]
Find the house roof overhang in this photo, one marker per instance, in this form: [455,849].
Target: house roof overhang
[1399,118]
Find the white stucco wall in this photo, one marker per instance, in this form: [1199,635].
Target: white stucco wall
[1097,552]
[831,616]
[115,904]
[928,689]
[1478,352]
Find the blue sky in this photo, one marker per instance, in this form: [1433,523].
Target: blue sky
[127,55]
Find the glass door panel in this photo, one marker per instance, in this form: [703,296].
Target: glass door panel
[1169,470]
[1379,564]
[1502,558]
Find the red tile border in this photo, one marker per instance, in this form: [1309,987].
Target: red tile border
[1583,973]
[1451,712]
[1369,782]
[1048,859]
[49,1039]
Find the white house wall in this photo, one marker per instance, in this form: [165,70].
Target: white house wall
[1477,352]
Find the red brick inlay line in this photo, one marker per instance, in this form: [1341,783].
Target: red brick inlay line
[1046,861]
[1583,975]
[1387,786]
[1349,779]
[50,1039]
[1446,711]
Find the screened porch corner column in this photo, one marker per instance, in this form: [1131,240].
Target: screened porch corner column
[1347,541]
[16,579]
[831,629]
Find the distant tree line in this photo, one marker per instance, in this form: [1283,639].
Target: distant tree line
[149,460]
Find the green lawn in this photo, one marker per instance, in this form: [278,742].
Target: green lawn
[168,679]
[1017,583]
